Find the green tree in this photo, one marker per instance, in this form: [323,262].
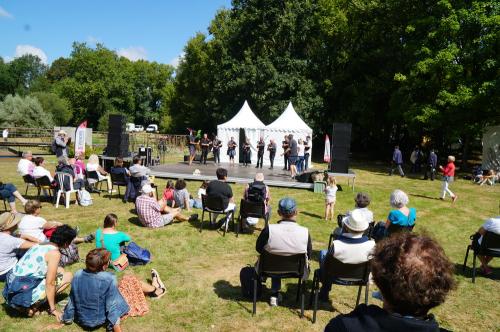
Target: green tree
[53,104]
[24,71]
[17,111]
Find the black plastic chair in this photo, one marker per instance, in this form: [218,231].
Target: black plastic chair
[490,246]
[215,205]
[341,274]
[118,180]
[393,228]
[294,266]
[44,183]
[250,209]
[93,180]
[29,180]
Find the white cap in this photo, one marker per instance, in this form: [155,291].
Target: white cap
[356,221]
[146,189]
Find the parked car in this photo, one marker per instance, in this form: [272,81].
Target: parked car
[152,128]
[130,127]
[139,128]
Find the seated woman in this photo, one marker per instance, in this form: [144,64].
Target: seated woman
[110,238]
[397,264]
[9,245]
[63,166]
[36,278]
[401,218]
[40,171]
[93,166]
[490,225]
[95,300]
[182,197]
[119,169]
[9,192]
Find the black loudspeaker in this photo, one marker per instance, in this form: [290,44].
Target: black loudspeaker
[341,147]
[305,177]
[118,139]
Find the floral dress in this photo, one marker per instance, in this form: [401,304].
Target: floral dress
[33,264]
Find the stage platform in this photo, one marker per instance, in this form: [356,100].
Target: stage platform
[276,177]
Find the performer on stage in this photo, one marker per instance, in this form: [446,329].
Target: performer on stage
[205,146]
[271,147]
[261,146]
[231,150]
[307,152]
[216,145]
[286,152]
[246,152]
[292,155]
[192,146]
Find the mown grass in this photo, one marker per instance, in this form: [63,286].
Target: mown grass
[201,271]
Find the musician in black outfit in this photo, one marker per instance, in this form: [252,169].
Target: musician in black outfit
[307,152]
[246,153]
[216,145]
[286,153]
[261,145]
[205,146]
[231,150]
[271,147]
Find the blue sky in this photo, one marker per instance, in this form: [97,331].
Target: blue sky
[154,30]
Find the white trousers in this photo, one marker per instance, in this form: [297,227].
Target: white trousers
[445,190]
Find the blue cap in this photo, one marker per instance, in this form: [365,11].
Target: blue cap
[287,205]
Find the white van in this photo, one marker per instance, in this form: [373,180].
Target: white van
[138,128]
[152,128]
[129,127]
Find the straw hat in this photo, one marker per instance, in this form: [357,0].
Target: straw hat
[9,220]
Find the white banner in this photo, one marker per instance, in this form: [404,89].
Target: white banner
[326,156]
[80,138]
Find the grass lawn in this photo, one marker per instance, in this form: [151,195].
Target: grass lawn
[201,271]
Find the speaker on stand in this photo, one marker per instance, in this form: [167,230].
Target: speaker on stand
[341,147]
[118,138]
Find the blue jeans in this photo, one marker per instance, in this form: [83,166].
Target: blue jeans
[7,192]
[300,164]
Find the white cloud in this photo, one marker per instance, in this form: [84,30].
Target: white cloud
[133,53]
[91,40]
[175,61]
[29,49]
[4,13]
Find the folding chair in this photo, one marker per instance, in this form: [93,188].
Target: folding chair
[65,180]
[490,246]
[294,266]
[252,210]
[93,180]
[215,205]
[44,183]
[118,180]
[340,274]
[29,180]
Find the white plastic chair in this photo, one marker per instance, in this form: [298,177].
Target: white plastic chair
[67,193]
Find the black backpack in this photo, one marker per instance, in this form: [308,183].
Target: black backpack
[256,192]
[247,277]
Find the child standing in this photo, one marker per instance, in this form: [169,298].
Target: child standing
[331,197]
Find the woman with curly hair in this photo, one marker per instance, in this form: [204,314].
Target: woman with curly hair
[414,275]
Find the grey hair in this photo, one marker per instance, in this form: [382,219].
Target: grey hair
[399,199]
[259,177]
[63,160]
[26,154]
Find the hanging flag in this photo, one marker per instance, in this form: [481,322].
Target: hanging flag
[80,138]
[326,156]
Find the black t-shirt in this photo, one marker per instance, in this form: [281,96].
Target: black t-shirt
[373,319]
[231,145]
[220,189]
[246,147]
[260,147]
[284,145]
[205,143]
[293,148]
[307,147]
[216,144]
[192,140]
[271,147]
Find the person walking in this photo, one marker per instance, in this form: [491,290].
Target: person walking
[448,175]
[261,145]
[271,147]
[431,165]
[397,161]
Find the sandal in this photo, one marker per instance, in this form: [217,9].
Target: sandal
[155,294]
[155,279]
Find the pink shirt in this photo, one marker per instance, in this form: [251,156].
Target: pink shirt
[449,170]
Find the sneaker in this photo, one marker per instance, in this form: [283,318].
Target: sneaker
[89,238]
[275,299]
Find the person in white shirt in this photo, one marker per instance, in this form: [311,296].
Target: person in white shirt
[490,225]
[32,225]
[40,171]
[5,134]
[25,165]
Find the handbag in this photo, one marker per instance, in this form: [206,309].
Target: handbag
[137,255]
[121,262]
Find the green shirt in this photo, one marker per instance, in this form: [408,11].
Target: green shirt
[111,242]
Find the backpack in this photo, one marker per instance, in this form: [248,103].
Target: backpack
[247,276]
[256,192]
[137,255]
[85,198]
[69,255]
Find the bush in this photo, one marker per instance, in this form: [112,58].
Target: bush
[16,111]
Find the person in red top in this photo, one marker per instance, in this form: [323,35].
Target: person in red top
[448,174]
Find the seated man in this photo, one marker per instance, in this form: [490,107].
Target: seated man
[138,174]
[219,188]
[351,247]
[285,238]
[150,211]
[414,275]
[258,191]
[25,165]
[490,225]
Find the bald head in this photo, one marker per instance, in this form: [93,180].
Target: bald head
[259,177]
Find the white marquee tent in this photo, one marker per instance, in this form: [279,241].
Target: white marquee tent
[289,122]
[245,121]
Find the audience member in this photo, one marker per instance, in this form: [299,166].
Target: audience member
[36,278]
[63,166]
[39,171]
[93,166]
[258,191]
[150,211]
[351,247]
[284,239]
[490,225]
[401,216]
[361,203]
[219,188]
[182,197]
[9,192]
[139,175]
[32,226]
[414,275]
[25,165]
[168,195]
[119,169]
[9,244]
[109,238]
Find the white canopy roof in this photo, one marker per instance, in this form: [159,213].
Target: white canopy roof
[289,121]
[245,118]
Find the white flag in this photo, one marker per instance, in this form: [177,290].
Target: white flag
[326,156]
[80,138]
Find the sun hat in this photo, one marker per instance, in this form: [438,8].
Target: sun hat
[62,132]
[287,205]
[146,189]
[356,221]
[9,220]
